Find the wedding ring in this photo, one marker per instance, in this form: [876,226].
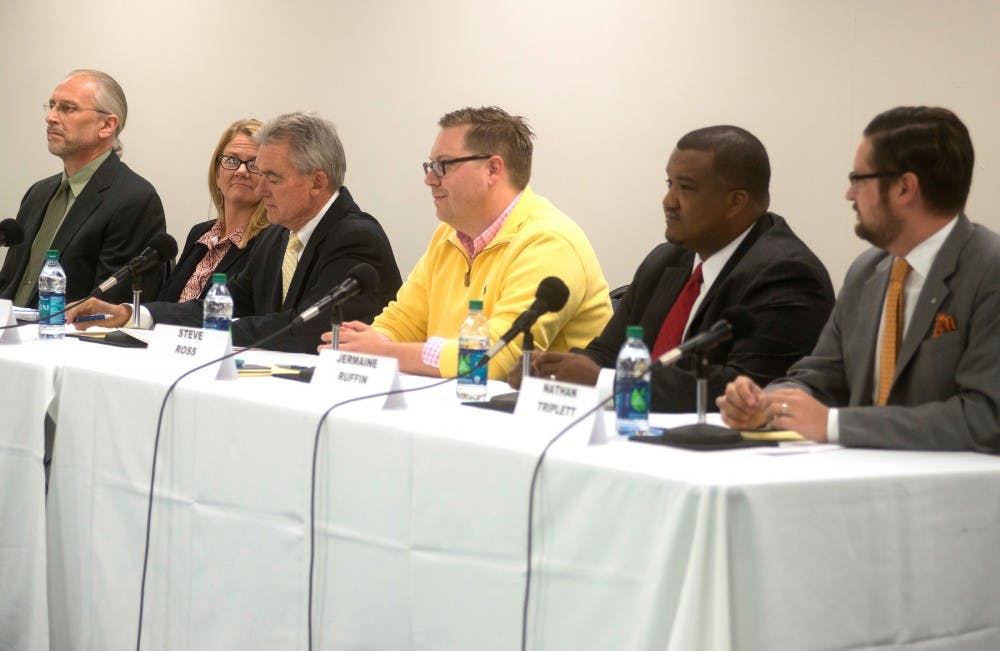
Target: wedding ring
[784,409]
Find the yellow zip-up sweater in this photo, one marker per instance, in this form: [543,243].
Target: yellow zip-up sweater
[536,241]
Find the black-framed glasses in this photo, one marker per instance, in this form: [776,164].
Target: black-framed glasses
[437,166]
[857,177]
[233,163]
[68,108]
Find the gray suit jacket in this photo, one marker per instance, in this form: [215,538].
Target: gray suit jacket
[946,392]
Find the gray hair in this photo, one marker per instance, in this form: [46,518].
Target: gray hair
[313,142]
[109,98]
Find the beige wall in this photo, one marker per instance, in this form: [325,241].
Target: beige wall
[608,87]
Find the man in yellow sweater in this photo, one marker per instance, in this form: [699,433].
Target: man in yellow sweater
[498,239]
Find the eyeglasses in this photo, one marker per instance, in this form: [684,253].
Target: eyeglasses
[437,166]
[66,108]
[233,163]
[857,177]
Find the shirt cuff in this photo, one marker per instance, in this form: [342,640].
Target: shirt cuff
[145,318]
[431,352]
[833,426]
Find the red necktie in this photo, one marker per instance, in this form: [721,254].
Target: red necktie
[673,326]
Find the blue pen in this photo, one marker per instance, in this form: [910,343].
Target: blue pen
[93,317]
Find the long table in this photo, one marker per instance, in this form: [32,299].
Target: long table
[422,523]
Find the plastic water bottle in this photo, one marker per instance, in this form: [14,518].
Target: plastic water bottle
[473,341]
[218,305]
[632,385]
[51,298]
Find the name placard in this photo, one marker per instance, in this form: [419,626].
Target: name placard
[187,347]
[10,335]
[554,405]
[352,375]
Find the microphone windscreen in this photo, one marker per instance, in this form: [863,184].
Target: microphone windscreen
[13,233]
[552,294]
[741,321]
[164,245]
[366,276]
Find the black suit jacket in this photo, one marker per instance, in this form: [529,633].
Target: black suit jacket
[772,273]
[110,223]
[343,237]
[231,264]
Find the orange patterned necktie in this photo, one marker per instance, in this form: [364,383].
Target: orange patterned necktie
[892,328]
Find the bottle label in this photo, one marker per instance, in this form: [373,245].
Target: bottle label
[632,399]
[51,303]
[217,323]
[467,360]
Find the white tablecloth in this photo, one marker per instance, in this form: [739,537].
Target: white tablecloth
[27,388]
[422,524]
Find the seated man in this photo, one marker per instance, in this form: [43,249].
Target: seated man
[317,234]
[498,241]
[723,249]
[97,213]
[909,357]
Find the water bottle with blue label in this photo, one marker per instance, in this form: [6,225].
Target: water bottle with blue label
[632,385]
[51,298]
[473,342]
[218,305]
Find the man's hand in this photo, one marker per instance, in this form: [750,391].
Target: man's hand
[566,367]
[357,337]
[742,405]
[120,314]
[798,411]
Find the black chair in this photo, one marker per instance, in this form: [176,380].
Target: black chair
[616,295]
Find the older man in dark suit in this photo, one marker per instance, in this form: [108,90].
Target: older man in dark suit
[723,250]
[98,213]
[317,235]
[909,357]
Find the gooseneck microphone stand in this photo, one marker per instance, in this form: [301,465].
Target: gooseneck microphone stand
[529,345]
[338,318]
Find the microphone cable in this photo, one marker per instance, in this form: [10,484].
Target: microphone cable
[156,447]
[531,510]
[53,315]
[483,361]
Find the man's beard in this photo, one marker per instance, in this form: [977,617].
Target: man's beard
[885,229]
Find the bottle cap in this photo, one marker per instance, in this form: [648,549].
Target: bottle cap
[219,279]
[52,254]
[475,305]
[633,332]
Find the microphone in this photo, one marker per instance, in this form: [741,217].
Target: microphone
[550,296]
[11,233]
[161,247]
[735,323]
[362,278]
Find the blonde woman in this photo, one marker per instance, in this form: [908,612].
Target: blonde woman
[222,245]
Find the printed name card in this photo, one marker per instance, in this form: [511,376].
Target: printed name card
[10,335]
[187,348]
[553,405]
[352,375]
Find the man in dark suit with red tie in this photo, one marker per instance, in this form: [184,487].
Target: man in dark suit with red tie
[723,250]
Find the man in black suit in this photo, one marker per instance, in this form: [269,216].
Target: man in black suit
[718,229]
[97,213]
[317,234]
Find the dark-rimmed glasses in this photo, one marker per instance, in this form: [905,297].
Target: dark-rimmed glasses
[233,163]
[437,166]
[857,177]
[66,108]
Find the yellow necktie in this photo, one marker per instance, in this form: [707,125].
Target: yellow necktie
[892,328]
[290,261]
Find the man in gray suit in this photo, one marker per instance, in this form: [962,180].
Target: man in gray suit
[910,358]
